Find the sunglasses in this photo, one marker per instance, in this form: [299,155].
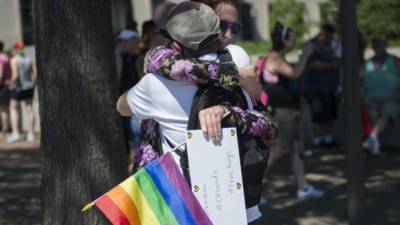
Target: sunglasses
[234,27]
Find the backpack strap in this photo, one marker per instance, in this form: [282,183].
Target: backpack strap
[260,65]
[206,96]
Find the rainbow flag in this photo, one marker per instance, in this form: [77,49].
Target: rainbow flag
[157,194]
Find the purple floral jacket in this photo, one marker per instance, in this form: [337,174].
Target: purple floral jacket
[173,65]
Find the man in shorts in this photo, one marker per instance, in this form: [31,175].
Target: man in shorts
[321,80]
[381,86]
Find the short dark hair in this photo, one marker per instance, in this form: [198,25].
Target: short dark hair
[148,26]
[1,46]
[278,35]
[131,25]
[379,38]
[329,28]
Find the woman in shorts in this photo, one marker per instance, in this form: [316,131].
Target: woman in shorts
[278,79]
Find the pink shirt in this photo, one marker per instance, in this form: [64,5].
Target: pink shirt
[5,64]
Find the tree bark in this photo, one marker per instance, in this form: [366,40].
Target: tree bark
[82,139]
[352,104]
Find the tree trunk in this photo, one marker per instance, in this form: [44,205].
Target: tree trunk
[82,139]
[355,156]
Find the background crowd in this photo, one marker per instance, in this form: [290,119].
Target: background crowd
[17,78]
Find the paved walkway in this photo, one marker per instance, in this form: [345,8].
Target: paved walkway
[327,172]
[20,181]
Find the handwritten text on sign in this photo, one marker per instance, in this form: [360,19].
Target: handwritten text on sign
[216,176]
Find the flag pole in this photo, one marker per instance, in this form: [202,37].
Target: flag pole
[90,205]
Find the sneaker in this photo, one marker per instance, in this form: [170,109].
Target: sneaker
[309,152]
[30,136]
[372,145]
[13,138]
[312,151]
[309,192]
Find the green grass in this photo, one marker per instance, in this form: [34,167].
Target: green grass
[255,47]
[394,43]
[258,48]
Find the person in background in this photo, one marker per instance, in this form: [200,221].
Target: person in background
[279,81]
[128,49]
[321,80]
[381,86]
[131,24]
[336,45]
[22,86]
[5,94]
[151,36]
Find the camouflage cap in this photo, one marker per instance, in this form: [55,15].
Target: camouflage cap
[189,23]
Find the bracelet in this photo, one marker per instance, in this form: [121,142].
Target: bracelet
[226,111]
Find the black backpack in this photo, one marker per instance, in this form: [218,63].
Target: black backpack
[253,151]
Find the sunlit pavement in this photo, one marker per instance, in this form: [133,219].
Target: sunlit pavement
[327,172]
[20,181]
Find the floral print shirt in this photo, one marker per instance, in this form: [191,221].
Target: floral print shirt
[150,146]
[173,65]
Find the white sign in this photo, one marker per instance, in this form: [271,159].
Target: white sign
[216,176]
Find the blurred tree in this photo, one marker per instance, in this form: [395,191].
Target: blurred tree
[82,140]
[352,101]
[379,16]
[372,16]
[330,12]
[290,13]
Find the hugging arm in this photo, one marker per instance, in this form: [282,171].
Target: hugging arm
[123,106]
[255,123]
[173,65]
